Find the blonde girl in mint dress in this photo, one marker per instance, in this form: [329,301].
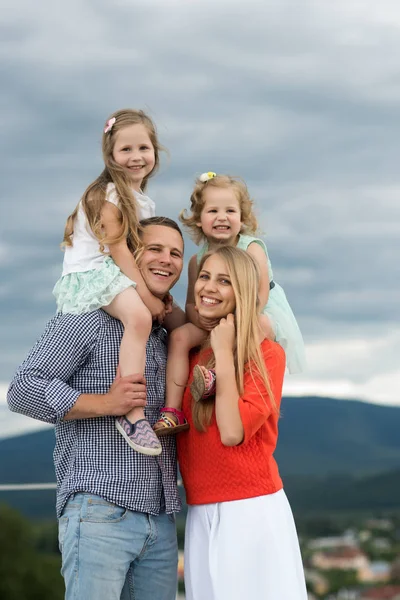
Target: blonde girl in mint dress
[221,213]
[100,238]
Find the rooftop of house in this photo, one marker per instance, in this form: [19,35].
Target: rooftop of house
[345,552]
[387,592]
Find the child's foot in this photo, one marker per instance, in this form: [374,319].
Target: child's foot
[203,384]
[139,436]
[171,421]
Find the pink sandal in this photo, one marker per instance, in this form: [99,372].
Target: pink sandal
[201,390]
[167,425]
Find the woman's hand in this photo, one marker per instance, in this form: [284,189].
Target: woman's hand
[223,335]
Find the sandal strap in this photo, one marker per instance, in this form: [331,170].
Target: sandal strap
[166,421]
[179,414]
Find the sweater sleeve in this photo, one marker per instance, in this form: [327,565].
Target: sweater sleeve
[255,404]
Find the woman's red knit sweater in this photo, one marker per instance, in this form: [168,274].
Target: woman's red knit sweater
[213,472]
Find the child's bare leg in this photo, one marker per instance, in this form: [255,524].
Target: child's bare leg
[136,319]
[181,341]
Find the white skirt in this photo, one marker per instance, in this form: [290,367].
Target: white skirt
[243,550]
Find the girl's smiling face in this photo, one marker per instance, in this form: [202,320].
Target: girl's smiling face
[213,292]
[134,152]
[220,218]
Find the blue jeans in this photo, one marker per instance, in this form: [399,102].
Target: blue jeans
[110,553]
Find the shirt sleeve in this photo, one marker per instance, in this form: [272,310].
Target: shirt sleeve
[255,405]
[40,387]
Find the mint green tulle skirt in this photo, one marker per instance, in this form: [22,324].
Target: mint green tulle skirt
[78,293]
[287,332]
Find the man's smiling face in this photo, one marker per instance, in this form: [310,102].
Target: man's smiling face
[161,261]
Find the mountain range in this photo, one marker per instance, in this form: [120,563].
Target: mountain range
[332,454]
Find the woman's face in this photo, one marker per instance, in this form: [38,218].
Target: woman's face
[213,292]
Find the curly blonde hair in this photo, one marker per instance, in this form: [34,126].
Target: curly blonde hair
[95,195]
[197,202]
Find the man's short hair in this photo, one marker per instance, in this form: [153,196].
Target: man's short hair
[164,221]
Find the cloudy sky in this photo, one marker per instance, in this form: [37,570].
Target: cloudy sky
[301,98]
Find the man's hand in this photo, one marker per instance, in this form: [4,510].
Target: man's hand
[124,394]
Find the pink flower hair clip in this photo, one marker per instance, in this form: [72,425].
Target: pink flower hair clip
[109,124]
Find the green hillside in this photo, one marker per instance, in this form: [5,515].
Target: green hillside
[332,454]
[322,436]
[308,494]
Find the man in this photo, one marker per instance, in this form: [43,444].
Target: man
[115,507]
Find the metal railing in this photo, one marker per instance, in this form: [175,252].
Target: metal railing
[16,487]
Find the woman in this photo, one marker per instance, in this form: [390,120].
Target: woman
[240,539]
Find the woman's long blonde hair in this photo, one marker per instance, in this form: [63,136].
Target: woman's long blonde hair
[94,197]
[244,276]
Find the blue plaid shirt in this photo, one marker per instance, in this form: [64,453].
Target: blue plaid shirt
[79,354]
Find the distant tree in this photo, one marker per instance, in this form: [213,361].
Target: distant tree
[316,526]
[46,536]
[339,579]
[24,572]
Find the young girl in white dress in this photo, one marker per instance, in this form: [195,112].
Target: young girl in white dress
[221,214]
[100,240]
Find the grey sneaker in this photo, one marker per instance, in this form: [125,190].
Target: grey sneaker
[139,436]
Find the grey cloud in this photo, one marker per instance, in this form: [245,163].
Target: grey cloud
[302,100]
